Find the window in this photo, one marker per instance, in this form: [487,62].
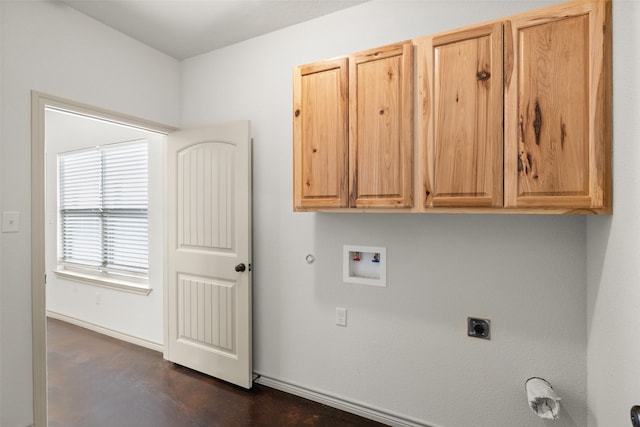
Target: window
[103,218]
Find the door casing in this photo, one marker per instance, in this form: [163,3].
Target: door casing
[39,101]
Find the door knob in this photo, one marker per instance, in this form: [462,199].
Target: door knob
[241,267]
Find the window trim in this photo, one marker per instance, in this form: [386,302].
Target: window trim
[104,281]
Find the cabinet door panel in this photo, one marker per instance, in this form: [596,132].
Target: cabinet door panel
[556,149]
[553,109]
[381,127]
[465,149]
[320,133]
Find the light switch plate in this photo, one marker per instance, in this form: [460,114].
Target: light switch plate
[10,222]
[341,316]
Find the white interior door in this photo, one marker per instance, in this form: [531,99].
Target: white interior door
[208,301]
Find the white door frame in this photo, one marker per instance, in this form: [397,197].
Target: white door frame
[39,101]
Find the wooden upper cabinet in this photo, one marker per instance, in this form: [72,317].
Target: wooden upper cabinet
[558,107]
[381,127]
[513,115]
[461,79]
[353,131]
[320,135]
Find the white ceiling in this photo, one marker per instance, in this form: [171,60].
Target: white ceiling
[186,28]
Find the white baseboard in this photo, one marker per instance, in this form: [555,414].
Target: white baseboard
[385,417]
[106,331]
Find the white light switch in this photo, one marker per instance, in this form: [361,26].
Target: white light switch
[341,316]
[10,222]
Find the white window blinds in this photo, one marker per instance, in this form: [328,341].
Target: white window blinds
[103,201]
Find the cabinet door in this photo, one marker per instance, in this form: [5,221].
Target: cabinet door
[381,127]
[464,145]
[557,96]
[320,135]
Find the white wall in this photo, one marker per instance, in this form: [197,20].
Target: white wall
[138,316]
[50,48]
[405,348]
[613,246]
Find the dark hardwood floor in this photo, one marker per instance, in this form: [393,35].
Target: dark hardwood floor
[98,381]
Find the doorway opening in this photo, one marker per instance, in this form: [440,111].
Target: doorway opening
[70,123]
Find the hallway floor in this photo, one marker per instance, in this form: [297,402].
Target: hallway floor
[98,381]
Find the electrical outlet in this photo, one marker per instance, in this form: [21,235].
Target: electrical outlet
[479,328]
[341,316]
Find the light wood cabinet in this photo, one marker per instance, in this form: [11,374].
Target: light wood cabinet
[558,107]
[353,131]
[512,116]
[462,152]
[381,127]
[553,72]
[321,135]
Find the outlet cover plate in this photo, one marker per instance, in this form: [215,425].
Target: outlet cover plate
[341,316]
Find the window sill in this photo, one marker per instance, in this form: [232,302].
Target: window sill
[105,282]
